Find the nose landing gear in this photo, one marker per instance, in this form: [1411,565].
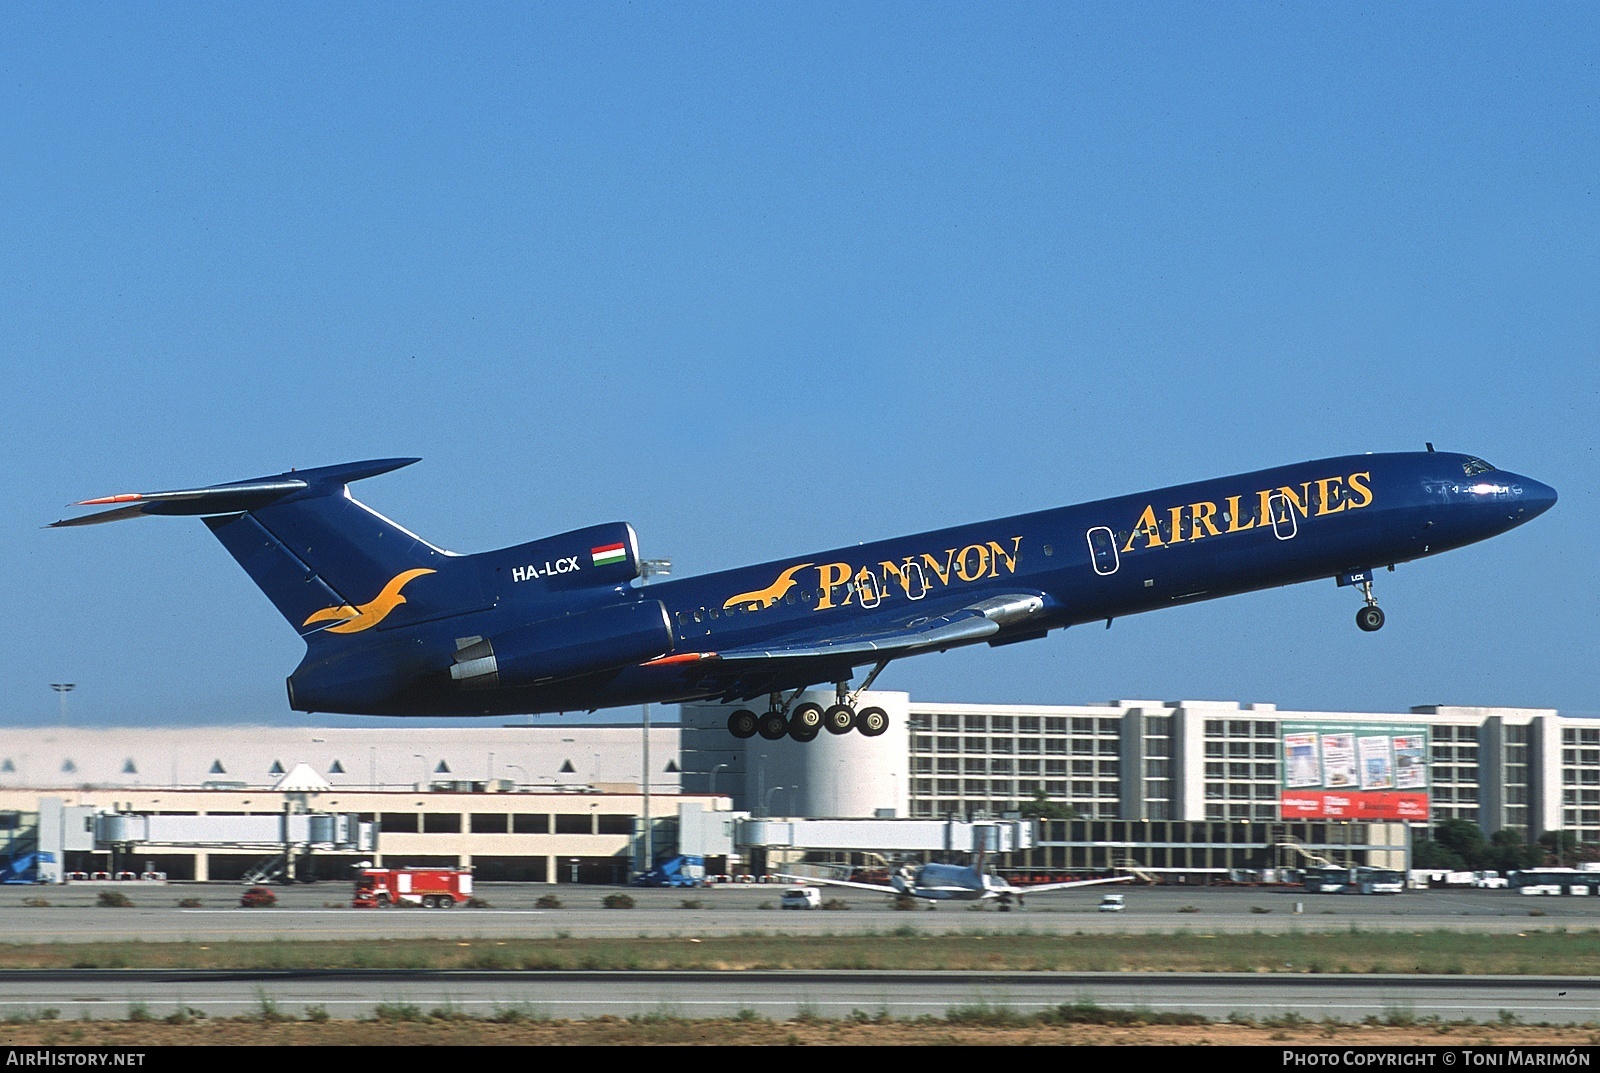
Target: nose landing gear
[1370,617]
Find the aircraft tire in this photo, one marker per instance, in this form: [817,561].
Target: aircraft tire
[742,723]
[872,721]
[801,733]
[1370,619]
[839,719]
[807,717]
[772,726]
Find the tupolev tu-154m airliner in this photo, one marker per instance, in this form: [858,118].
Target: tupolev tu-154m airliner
[396,626]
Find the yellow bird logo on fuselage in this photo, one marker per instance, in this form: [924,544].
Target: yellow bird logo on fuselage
[771,594]
[368,614]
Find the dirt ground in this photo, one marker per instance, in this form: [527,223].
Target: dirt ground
[612,1031]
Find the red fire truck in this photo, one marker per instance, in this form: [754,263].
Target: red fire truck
[431,888]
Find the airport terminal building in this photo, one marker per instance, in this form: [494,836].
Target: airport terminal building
[1185,790]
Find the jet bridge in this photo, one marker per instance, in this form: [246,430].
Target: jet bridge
[282,836]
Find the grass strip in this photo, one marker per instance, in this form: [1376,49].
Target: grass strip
[1535,951]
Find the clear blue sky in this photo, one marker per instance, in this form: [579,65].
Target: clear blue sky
[764,279]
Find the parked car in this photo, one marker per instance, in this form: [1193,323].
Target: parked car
[801,898]
[258,898]
[1112,903]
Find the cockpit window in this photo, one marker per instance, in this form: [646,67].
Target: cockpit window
[1475,466]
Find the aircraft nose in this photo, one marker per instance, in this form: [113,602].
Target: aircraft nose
[1537,496]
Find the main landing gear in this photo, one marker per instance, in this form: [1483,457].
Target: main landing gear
[808,720]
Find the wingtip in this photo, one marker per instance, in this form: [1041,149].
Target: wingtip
[126,497]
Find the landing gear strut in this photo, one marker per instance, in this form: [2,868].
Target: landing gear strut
[1370,617]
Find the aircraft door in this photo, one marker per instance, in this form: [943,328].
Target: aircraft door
[1103,550]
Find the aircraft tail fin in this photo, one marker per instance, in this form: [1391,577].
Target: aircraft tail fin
[325,560]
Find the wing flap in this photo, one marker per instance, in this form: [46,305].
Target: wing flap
[974,622]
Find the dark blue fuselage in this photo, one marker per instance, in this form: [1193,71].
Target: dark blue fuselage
[1336,517]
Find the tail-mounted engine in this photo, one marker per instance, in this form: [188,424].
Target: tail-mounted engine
[586,642]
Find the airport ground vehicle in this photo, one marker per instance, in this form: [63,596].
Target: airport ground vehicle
[1112,903]
[431,888]
[1338,879]
[1555,881]
[801,898]
[681,871]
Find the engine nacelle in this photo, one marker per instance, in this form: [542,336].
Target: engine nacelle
[582,643]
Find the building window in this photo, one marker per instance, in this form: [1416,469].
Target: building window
[441,823]
[615,824]
[574,823]
[398,822]
[530,823]
[491,823]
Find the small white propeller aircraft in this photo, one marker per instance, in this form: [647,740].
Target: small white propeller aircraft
[954,883]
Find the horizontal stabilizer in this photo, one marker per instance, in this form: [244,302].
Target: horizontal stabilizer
[233,498]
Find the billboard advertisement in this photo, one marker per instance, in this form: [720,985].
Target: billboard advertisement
[1354,771]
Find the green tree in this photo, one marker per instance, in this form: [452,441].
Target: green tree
[1508,852]
[1426,853]
[1560,848]
[1042,808]
[1465,841]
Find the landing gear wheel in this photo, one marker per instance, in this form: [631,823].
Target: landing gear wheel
[1370,619]
[742,723]
[805,722]
[872,721]
[772,726]
[807,717]
[839,719]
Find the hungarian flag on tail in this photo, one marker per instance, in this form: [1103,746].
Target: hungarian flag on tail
[609,553]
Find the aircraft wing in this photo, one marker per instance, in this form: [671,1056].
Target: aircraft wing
[1040,888]
[876,888]
[964,625]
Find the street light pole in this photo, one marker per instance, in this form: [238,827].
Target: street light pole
[766,801]
[62,689]
[649,568]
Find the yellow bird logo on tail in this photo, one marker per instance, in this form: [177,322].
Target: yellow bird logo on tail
[368,614]
[769,595]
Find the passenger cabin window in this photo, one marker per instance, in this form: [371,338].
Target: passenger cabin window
[1474,466]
